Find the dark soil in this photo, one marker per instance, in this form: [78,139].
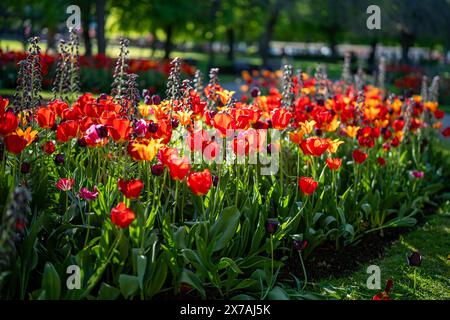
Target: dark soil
[327,262]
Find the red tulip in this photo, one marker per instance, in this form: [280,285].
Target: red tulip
[120,129]
[359,156]
[67,130]
[178,167]
[446,132]
[165,153]
[439,114]
[314,146]
[334,163]
[199,182]
[3,104]
[385,294]
[223,122]
[307,185]
[45,118]
[131,189]
[280,118]
[8,123]
[15,143]
[381,161]
[122,216]
[49,147]
[65,184]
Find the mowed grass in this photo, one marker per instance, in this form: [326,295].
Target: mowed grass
[432,240]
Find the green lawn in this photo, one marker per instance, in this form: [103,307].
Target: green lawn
[432,240]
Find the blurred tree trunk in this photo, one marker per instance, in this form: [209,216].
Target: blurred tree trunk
[332,42]
[168,43]
[87,40]
[85,18]
[231,37]
[371,62]
[100,14]
[153,43]
[51,38]
[215,5]
[269,29]
[406,42]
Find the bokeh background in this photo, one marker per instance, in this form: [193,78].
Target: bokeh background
[235,35]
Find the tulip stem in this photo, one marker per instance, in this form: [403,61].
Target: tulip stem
[304,270]
[202,206]
[176,200]
[271,252]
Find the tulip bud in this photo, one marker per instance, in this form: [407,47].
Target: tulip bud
[255,92]
[272,226]
[156,99]
[414,259]
[300,245]
[81,143]
[174,123]
[153,127]
[59,159]
[215,181]
[101,131]
[157,169]
[25,167]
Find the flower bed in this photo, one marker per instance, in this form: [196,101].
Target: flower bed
[199,194]
[96,72]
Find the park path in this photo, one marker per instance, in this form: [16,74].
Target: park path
[446,121]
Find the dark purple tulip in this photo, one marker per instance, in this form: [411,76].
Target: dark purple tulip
[174,123]
[269,123]
[59,159]
[147,100]
[272,226]
[414,259]
[318,132]
[81,142]
[153,127]
[309,108]
[156,99]
[212,114]
[157,169]
[269,148]
[255,92]
[145,93]
[215,181]
[300,245]
[25,167]
[101,131]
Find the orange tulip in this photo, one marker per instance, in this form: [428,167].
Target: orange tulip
[45,118]
[334,163]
